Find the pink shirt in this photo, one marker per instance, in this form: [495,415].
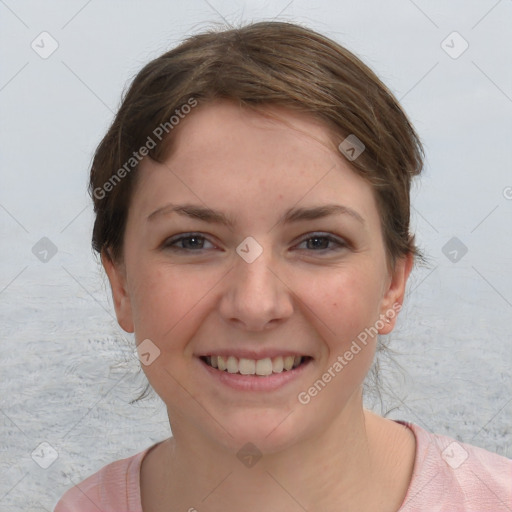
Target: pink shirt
[448,476]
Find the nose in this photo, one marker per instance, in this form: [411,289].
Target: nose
[255,297]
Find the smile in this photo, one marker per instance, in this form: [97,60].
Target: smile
[260,367]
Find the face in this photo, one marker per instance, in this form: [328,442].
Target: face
[255,247]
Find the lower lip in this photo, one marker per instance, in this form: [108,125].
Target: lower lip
[256,382]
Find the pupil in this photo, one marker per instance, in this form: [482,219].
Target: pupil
[194,241]
[318,242]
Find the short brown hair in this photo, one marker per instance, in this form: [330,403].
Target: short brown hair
[262,65]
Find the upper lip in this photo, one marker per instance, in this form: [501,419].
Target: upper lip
[252,354]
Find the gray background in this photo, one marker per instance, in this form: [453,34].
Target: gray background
[68,371]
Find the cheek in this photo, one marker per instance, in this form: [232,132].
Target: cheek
[166,299]
[345,302]
[344,306]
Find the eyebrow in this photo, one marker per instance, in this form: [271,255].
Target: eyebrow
[292,215]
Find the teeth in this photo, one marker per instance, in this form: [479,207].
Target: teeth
[247,366]
[264,366]
[260,367]
[288,362]
[277,364]
[232,365]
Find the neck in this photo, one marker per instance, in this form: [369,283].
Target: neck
[344,460]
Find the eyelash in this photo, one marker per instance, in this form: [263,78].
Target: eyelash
[170,243]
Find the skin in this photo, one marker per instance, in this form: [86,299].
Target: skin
[330,454]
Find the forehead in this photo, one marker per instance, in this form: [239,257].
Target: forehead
[224,129]
[227,156]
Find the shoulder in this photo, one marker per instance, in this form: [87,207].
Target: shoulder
[114,487]
[450,475]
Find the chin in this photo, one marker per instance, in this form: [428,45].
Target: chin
[269,431]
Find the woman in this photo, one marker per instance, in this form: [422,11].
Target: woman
[252,215]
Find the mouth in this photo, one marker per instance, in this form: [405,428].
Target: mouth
[255,367]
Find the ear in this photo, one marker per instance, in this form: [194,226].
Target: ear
[117,276]
[394,295]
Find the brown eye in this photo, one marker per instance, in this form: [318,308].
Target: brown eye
[318,242]
[321,242]
[188,242]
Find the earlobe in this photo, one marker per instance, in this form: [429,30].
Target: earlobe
[394,296]
[117,277]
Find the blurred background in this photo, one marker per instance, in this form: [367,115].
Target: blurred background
[67,371]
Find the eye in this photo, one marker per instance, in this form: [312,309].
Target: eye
[322,242]
[187,242]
